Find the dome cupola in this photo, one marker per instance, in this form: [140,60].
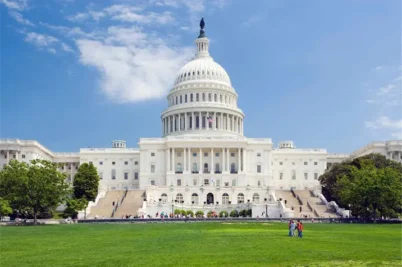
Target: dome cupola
[202,99]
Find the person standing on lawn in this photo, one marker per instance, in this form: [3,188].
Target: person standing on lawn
[300,228]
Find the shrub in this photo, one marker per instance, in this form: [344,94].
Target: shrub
[249,212]
[223,214]
[210,214]
[199,213]
[190,213]
[183,212]
[234,213]
[243,213]
[177,212]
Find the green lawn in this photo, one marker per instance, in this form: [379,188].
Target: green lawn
[200,244]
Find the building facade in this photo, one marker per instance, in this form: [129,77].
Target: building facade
[202,158]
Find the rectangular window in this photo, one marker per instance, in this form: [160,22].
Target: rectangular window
[293,163]
[226,184]
[136,176]
[152,168]
[152,154]
[205,154]
[258,154]
[206,181]
[69,167]
[305,163]
[23,156]
[305,175]
[195,154]
[258,168]
[315,176]
[100,162]
[76,167]
[178,182]
[216,154]
[259,183]
[232,155]
[126,163]
[281,163]
[218,182]
[315,163]
[233,182]
[90,162]
[294,176]
[135,162]
[179,154]
[101,175]
[152,182]
[125,175]
[194,181]
[5,156]
[113,177]
[281,176]
[14,156]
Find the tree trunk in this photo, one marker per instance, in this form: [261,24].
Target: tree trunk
[374,213]
[35,215]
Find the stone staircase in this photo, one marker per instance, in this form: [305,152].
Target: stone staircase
[104,207]
[319,208]
[291,202]
[131,204]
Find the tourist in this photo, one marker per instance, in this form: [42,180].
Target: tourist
[292,228]
[300,229]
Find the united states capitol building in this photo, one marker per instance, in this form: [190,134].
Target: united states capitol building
[203,161]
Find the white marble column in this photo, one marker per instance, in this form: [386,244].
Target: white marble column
[192,121]
[238,160]
[185,160]
[189,160]
[179,129]
[173,160]
[168,160]
[212,161]
[200,168]
[227,160]
[223,160]
[174,123]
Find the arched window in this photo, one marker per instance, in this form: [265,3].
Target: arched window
[217,170]
[185,98]
[209,97]
[215,98]
[206,168]
[256,198]
[164,198]
[179,168]
[181,99]
[179,198]
[225,199]
[203,121]
[197,122]
[177,100]
[113,174]
[197,97]
[232,168]
[194,198]
[191,97]
[240,198]
[195,168]
[203,96]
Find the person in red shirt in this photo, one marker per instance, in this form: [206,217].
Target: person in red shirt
[300,228]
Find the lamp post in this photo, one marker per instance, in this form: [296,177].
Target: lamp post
[266,208]
[350,214]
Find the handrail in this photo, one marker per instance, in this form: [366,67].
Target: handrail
[316,213]
[308,205]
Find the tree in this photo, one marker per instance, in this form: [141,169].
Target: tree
[5,208]
[34,187]
[74,206]
[86,182]
[370,184]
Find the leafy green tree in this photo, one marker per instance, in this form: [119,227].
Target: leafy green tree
[33,188]
[86,182]
[223,214]
[199,213]
[234,213]
[190,213]
[5,208]
[74,206]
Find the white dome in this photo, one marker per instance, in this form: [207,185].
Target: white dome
[203,68]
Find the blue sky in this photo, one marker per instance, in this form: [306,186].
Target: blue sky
[325,74]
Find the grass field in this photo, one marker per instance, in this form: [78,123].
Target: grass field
[200,244]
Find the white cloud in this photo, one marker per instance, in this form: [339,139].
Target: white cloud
[378,68]
[370,101]
[397,135]
[66,48]
[20,19]
[95,15]
[148,18]
[40,40]
[384,122]
[386,89]
[134,66]
[253,20]
[15,4]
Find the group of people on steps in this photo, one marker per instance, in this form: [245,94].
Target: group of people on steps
[296,226]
